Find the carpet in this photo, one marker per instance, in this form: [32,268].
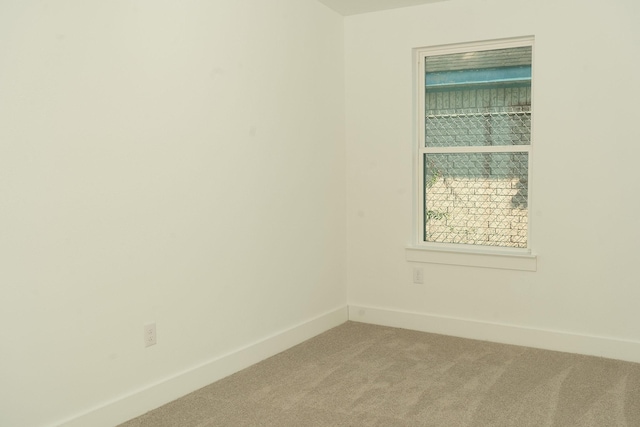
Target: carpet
[365,375]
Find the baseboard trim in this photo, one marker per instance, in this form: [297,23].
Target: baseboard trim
[152,396]
[612,348]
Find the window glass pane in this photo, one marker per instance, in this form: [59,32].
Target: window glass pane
[478,98]
[476,198]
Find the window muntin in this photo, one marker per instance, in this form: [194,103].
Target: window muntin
[474,152]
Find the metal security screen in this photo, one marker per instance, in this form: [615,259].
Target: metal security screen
[475,158]
[468,127]
[477,198]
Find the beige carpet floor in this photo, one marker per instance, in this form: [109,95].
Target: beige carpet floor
[366,375]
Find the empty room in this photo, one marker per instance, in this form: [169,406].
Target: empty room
[319,212]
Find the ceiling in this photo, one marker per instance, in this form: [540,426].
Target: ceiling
[354,7]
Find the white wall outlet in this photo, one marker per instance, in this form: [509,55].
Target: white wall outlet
[418,275]
[149,334]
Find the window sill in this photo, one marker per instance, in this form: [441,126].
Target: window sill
[485,259]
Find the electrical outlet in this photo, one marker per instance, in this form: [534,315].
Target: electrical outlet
[149,334]
[418,275]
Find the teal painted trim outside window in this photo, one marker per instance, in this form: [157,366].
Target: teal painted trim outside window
[479,76]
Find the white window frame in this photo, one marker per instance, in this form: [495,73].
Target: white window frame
[457,253]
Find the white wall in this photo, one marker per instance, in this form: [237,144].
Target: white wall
[176,162]
[585,186]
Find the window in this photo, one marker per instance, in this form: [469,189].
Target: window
[474,145]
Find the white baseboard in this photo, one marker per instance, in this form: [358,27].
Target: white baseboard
[612,348]
[140,401]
